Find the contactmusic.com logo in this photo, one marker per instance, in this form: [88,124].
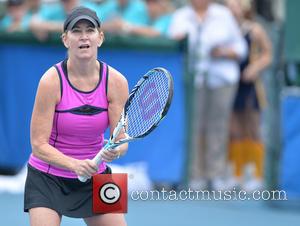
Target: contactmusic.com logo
[110,193]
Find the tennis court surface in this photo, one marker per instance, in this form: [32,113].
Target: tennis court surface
[173,213]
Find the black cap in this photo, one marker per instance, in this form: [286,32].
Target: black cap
[81,13]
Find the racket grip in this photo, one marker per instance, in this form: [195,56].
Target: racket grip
[97,159]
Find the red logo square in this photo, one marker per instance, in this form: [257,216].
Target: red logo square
[110,193]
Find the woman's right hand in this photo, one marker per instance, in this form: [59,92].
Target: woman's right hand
[84,168]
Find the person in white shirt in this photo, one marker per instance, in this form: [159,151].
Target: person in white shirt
[216,46]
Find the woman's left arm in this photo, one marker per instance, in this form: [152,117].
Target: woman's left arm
[117,95]
[263,58]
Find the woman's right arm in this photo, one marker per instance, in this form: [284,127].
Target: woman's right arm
[48,95]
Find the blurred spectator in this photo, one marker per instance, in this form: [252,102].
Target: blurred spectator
[246,146]
[16,18]
[116,13]
[35,7]
[215,47]
[159,12]
[2,9]
[51,20]
[179,3]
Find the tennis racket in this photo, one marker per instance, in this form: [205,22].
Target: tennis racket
[147,105]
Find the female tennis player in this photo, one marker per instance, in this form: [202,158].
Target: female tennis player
[77,99]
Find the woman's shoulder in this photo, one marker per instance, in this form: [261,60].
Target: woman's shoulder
[256,29]
[115,75]
[50,76]
[117,84]
[50,82]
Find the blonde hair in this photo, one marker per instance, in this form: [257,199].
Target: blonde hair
[248,7]
[246,4]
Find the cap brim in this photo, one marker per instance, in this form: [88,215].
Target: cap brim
[82,17]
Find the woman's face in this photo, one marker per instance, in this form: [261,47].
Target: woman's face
[83,40]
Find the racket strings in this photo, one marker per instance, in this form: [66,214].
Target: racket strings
[148,103]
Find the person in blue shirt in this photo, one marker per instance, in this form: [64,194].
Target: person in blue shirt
[51,20]
[16,18]
[158,21]
[115,13]
[36,7]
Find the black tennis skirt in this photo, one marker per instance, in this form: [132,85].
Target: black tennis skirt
[67,196]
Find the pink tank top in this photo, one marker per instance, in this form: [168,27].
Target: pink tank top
[79,123]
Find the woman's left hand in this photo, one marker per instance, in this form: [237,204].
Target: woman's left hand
[112,154]
[249,74]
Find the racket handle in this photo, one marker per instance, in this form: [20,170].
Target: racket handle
[97,159]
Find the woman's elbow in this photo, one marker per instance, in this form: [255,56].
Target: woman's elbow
[36,147]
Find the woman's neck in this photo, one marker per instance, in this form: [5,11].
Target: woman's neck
[82,68]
